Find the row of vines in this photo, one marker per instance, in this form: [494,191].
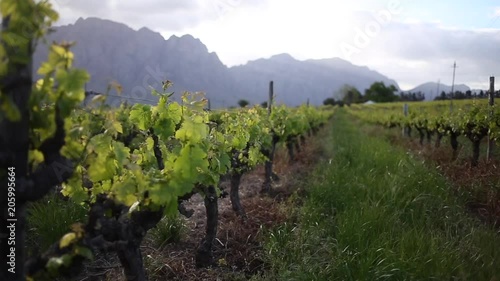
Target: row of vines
[129,166]
[476,120]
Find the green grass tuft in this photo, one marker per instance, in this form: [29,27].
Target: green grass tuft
[169,230]
[50,218]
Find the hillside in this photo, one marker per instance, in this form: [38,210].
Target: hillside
[112,51]
[430,89]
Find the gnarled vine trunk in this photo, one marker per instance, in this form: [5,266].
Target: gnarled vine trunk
[204,254]
[234,194]
[297,144]
[268,167]
[439,136]
[14,147]
[289,146]
[132,234]
[475,152]
[421,135]
[454,144]
[429,136]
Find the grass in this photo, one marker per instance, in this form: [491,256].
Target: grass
[374,212]
[50,218]
[478,187]
[169,230]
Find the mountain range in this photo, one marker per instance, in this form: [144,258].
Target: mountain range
[140,59]
[433,89]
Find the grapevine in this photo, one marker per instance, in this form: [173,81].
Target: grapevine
[130,165]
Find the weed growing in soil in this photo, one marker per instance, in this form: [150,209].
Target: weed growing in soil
[169,230]
[49,219]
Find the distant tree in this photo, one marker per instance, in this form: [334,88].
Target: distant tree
[418,96]
[481,94]
[468,94]
[458,95]
[379,92]
[349,94]
[441,96]
[264,104]
[329,101]
[243,103]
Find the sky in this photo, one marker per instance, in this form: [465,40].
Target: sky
[410,41]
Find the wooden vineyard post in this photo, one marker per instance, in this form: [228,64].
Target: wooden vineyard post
[452,86]
[269,152]
[270,101]
[491,103]
[405,112]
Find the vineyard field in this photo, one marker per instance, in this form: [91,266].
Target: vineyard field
[179,191]
[127,168]
[376,210]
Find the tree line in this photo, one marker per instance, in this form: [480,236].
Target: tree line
[459,95]
[378,92]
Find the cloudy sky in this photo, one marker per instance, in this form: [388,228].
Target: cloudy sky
[410,41]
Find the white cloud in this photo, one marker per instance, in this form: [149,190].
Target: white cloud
[418,53]
[410,50]
[159,15]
